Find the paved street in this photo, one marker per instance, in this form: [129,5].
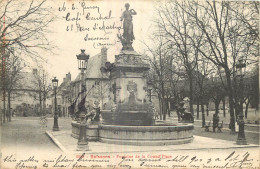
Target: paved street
[251,130]
[252,136]
[25,135]
[24,132]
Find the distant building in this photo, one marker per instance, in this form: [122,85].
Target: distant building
[63,96]
[25,95]
[97,85]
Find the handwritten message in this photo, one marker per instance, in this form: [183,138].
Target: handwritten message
[232,160]
[96,24]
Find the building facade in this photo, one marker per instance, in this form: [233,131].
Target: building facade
[25,96]
[96,83]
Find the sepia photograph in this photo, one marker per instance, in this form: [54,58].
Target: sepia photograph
[129,84]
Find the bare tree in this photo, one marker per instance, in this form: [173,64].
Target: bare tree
[204,69]
[180,34]
[24,25]
[12,66]
[175,77]
[42,87]
[247,13]
[158,57]
[251,89]
[13,69]
[226,38]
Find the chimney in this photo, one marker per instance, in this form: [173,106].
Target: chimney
[64,80]
[34,72]
[103,56]
[68,77]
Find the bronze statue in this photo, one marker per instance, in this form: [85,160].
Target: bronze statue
[128,35]
[75,115]
[94,114]
[81,108]
[185,116]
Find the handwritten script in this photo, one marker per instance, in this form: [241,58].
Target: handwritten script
[96,24]
[232,160]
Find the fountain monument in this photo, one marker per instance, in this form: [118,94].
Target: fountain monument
[129,117]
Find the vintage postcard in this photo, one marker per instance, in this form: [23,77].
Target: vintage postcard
[129,84]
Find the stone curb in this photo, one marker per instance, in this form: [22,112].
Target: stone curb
[234,146]
[56,141]
[188,149]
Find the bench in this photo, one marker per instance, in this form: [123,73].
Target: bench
[207,126]
[220,126]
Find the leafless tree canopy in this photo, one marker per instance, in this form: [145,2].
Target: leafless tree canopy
[24,25]
[206,38]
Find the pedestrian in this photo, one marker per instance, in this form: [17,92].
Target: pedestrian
[215,121]
[155,112]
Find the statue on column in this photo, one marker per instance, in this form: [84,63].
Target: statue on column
[128,34]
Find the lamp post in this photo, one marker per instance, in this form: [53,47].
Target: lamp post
[55,85]
[222,75]
[241,139]
[82,140]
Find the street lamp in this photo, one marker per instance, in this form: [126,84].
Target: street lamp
[55,85]
[82,140]
[241,139]
[82,65]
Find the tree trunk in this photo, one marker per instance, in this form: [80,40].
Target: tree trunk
[198,109]
[236,100]
[241,107]
[178,113]
[4,108]
[247,104]
[207,105]
[203,114]
[217,106]
[231,103]
[191,96]
[237,109]
[9,105]
[44,103]
[1,117]
[168,108]
[224,107]
[44,108]
[160,106]
[164,109]
[3,87]
[236,104]
[40,102]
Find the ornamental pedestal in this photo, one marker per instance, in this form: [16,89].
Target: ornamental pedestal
[91,130]
[131,107]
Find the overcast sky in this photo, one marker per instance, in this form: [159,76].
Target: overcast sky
[70,42]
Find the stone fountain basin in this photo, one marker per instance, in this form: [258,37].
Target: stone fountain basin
[127,118]
[157,135]
[146,135]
